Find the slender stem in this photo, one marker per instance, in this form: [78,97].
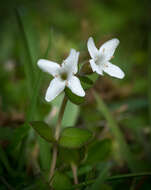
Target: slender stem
[74,171]
[60,116]
[57,134]
[53,163]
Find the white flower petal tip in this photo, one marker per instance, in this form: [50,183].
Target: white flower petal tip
[114,71]
[108,48]
[75,86]
[55,88]
[71,62]
[48,66]
[92,48]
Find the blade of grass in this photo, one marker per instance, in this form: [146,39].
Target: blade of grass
[29,64]
[101,178]
[37,79]
[5,162]
[113,126]
[112,178]
[36,88]
[37,82]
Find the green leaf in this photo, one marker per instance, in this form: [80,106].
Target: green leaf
[69,155]
[43,130]
[98,151]
[74,98]
[73,137]
[86,82]
[4,160]
[93,77]
[61,181]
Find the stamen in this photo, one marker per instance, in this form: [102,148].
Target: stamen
[103,50]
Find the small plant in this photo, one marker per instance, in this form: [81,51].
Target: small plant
[73,146]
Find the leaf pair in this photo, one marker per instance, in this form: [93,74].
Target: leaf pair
[70,137]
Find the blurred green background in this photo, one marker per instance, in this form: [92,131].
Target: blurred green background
[31,29]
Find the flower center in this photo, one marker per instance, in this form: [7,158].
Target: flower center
[99,60]
[64,76]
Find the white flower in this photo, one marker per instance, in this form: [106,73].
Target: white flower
[100,58]
[63,76]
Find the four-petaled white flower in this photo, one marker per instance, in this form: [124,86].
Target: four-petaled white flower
[100,58]
[63,76]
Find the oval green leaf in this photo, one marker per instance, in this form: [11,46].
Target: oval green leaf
[43,130]
[73,137]
[69,155]
[74,98]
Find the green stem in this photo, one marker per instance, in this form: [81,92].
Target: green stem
[74,171]
[112,178]
[53,162]
[60,117]
[57,134]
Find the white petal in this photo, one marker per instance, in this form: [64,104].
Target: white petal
[108,48]
[71,56]
[70,64]
[113,70]
[48,66]
[75,70]
[96,67]
[75,86]
[55,88]
[92,48]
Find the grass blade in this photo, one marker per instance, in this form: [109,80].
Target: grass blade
[113,126]
[101,178]
[4,160]
[112,178]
